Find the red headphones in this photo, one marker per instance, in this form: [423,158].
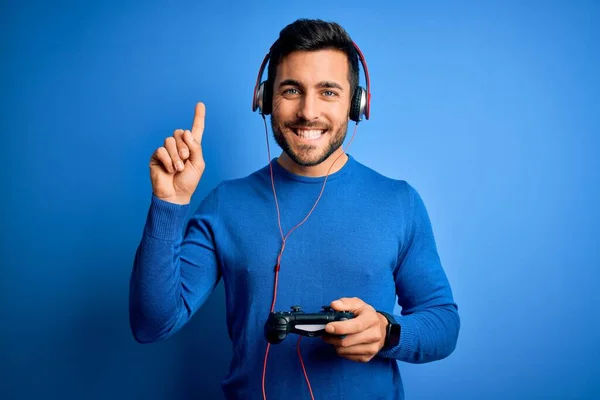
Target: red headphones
[361,102]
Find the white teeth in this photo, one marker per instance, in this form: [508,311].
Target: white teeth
[312,134]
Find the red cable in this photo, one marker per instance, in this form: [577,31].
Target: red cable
[284,239]
[304,369]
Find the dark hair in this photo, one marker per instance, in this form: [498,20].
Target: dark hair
[312,35]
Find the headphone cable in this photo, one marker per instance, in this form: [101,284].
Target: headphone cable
[283,242]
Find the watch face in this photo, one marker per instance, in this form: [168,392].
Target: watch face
[396,333]
[393,335]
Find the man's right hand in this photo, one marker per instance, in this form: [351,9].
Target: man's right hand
[177,166]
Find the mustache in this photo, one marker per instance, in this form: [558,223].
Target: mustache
[303,124]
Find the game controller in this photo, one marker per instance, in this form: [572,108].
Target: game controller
[280,323]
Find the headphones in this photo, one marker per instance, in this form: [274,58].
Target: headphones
[359,107]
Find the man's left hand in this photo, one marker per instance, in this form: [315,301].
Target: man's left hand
[365,332]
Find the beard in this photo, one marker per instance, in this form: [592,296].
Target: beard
[308,155]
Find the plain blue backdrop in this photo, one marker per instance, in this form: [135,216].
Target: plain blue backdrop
[490,109]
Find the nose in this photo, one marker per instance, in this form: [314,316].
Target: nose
[308,108]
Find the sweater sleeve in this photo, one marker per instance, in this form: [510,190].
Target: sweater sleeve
[429,317]
[175,268]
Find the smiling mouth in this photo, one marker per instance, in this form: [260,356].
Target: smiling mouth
[309,134]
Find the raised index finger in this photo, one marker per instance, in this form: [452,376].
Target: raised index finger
[198,125]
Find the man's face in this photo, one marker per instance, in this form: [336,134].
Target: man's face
[311,101]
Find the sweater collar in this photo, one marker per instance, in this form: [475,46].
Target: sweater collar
[346,169]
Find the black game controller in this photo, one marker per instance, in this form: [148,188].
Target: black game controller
[280,323]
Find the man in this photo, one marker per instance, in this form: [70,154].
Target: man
[337,232]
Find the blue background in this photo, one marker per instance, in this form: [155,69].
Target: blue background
[491,110]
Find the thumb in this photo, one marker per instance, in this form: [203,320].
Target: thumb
[196,157]
[347,304]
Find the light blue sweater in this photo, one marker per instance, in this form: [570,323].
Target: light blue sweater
[369,237]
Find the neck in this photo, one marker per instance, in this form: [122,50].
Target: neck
[335,161]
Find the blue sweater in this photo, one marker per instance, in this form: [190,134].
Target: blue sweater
[369,237]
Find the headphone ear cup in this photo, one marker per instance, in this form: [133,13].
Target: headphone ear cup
[262,99]
[267,98]
[357,108]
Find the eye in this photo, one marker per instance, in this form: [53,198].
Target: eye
[330,93]
[291,91]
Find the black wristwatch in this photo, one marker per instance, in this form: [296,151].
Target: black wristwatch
[392,333]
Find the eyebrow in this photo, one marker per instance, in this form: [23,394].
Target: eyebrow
[324,84]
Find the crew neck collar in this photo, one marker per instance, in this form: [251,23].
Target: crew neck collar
[346,169]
